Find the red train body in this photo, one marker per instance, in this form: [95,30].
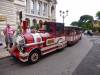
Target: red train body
[31,46]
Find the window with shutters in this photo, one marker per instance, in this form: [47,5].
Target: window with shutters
[32,6]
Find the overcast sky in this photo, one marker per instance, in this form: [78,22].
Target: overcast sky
[76,9]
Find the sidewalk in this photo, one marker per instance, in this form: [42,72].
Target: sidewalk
[3,51]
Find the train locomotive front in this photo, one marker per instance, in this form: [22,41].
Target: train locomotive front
[26,47]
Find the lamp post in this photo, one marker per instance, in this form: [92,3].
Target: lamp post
[63,14]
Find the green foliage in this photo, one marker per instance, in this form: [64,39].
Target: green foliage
[98,15]
[86,18]
[85,22]
[86,26]
[35,26]
[74,23]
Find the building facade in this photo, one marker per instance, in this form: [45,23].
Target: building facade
[41,10]
[96,23]
[14,10]
[9,9]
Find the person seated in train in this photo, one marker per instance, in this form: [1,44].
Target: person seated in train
[42,27]
[33,30]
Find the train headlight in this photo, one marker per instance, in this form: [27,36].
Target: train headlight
[20,42]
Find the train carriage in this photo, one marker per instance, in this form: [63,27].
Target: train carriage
[73,34]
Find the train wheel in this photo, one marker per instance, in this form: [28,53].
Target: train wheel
[34,57]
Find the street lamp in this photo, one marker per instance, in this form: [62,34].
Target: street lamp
[63,14]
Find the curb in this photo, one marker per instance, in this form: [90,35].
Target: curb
[4,57]
[4,53]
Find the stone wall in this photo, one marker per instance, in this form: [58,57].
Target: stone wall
[7,9]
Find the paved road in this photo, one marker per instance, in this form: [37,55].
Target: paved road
[90,65]
[59,63]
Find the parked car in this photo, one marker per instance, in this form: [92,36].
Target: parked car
[90,32]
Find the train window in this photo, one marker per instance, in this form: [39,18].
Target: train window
[59,29]
[51,28]
[48,28]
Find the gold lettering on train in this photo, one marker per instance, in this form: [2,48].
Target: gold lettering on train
[50,41]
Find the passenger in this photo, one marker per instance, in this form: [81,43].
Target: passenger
[33,30]
[28,30]
[25,27]
[35,25]
[43,28]
[40,24]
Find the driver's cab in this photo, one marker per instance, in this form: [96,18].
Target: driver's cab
[54,29]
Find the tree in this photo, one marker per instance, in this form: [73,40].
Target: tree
[85,21]
[98,15]
[86,18]
[74,23]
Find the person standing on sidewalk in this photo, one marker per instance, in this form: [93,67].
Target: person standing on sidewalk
[8,33]
[0,40]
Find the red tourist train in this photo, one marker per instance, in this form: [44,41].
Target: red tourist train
[29,47]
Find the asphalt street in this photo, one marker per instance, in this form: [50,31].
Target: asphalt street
[57,63]
[90,65]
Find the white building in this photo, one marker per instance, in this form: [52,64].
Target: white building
[31,9]
[9,9]
[41,10]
